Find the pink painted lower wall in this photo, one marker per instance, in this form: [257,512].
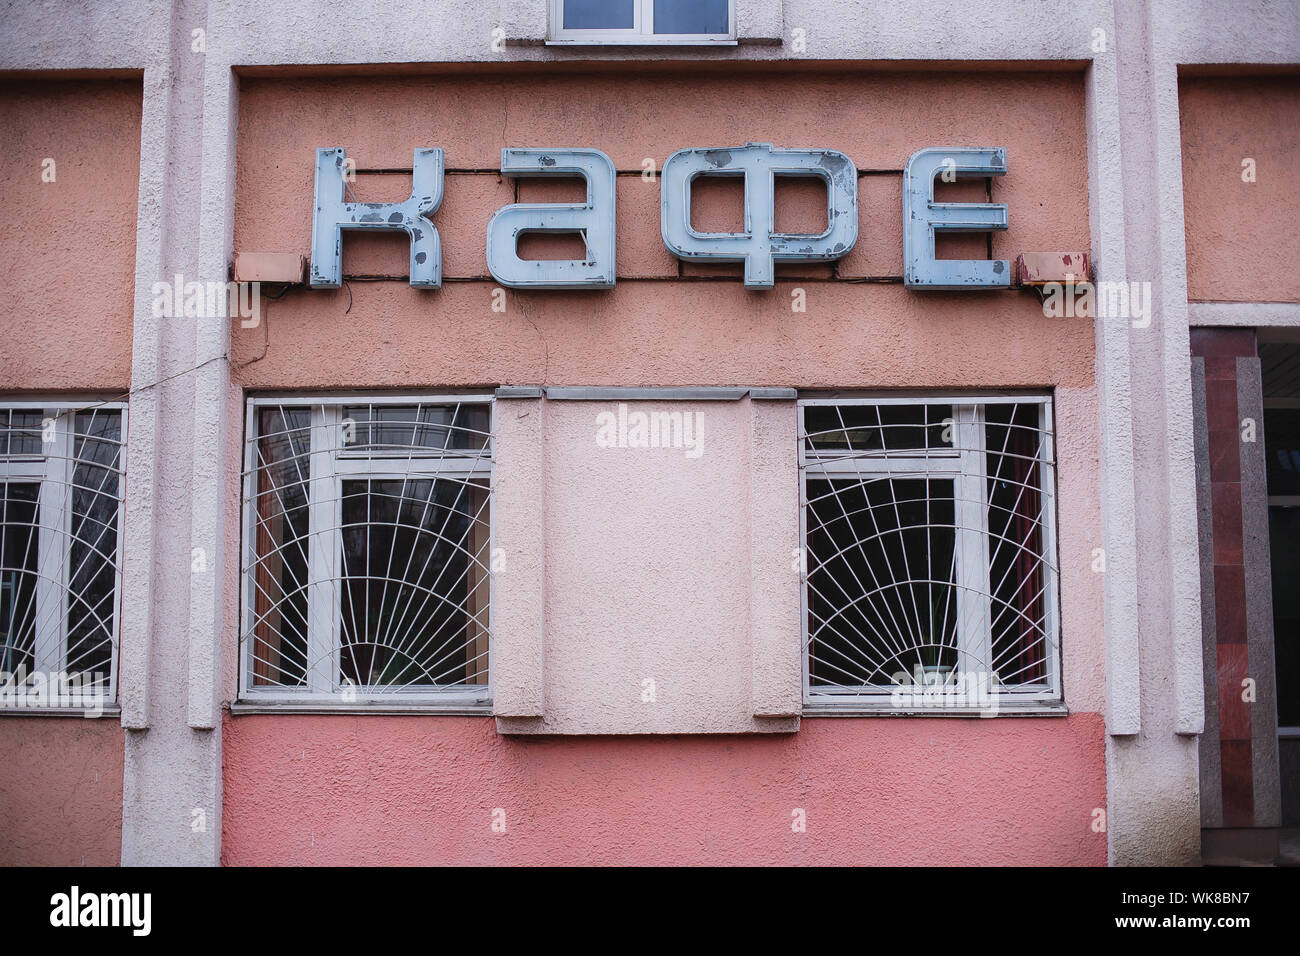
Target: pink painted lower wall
[60,791]
[338,790]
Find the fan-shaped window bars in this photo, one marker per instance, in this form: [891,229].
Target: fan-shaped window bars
[367,559]
[60,552]
[929,526]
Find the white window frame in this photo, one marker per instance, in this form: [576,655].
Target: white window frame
[330,463]
[54,472]
[641,33]
[967,466]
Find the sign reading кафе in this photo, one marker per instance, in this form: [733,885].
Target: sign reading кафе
[759,246]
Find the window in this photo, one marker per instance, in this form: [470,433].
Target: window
[60,561]
[929,528]
[1280,367]
[366,570]
[642,21]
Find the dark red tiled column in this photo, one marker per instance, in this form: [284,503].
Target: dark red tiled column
[1220,349]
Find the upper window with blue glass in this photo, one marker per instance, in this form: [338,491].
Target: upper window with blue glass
[642,21]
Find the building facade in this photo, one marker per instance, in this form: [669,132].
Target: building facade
[639,432]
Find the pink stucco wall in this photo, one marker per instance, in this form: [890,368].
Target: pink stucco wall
[67,279]
[655,332]
[398,790]
[60,791]
[341,789]
[67,252]
[668,566]
[1240,235]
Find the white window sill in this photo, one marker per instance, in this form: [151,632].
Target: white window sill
[90,713]
[642,41]
[859,709]
[242,708]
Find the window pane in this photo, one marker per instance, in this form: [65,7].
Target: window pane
[1282,445]
[877,427]
[21,432]
[1017,577]
[691,16]
[881,573]
[1284,549]
[92,555]
[19,534]
[414,589]
[416,429]
[928,540]
[280,533]
[370,571]
[599,14]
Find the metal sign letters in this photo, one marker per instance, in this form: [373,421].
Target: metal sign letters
[759,246]
[333,214]
[594,221]
[923,217]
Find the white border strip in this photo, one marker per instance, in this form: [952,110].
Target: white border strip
[1243,314]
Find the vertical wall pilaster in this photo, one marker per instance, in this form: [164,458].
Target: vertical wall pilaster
[519,534]
[175,524]
[1152,765]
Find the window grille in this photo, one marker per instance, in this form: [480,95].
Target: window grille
[929,527]
[60,551]
[367,556]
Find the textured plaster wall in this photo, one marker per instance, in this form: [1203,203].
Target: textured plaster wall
[642,332]
[1240,235]
[173,746]
[1079,507]
[653,556]
[312,32]
[139,35]
[67,252]
[60,791]
[664,334]
[67,256]
[1152,758]
[622,570]
[394,790]
[878,119]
